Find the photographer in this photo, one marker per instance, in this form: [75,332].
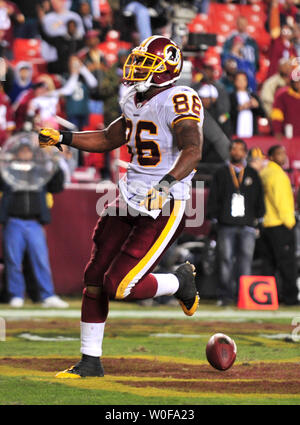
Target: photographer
[25,207]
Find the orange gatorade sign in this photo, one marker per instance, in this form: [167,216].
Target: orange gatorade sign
[258,293]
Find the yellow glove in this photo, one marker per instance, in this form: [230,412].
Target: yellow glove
[50,137]
[155,198]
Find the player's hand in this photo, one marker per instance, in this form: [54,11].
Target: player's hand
[155,198]
[49,137]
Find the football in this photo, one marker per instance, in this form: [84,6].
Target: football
[221,351]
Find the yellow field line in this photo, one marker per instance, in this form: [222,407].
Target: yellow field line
[162,359]
[112,383]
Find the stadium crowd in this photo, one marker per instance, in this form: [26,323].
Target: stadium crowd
[63,60]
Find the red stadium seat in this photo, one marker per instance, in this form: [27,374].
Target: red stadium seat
[27,49]
[217,9]
[95,122]
[197,28]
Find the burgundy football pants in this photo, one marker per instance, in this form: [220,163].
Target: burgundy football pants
[126,249]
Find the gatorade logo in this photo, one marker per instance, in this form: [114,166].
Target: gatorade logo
[259,294]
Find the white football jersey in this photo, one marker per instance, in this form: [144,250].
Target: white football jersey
[151,144]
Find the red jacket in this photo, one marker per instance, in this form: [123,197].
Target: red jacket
[278,50]
[286,111]
[7,122]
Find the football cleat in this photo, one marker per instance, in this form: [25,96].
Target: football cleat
[187,292]
[87,367]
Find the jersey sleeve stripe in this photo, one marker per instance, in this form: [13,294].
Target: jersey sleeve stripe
[185,117]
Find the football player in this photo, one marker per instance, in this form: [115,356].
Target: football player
[162,126]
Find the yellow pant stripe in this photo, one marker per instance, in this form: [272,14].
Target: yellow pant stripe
[153,250]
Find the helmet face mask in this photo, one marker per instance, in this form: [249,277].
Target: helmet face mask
[138,66]
[156,62]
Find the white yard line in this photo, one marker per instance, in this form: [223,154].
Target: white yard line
[153,314]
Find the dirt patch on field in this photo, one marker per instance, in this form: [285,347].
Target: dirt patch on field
[151,326]
[29,325]
[243,378]
[292,387]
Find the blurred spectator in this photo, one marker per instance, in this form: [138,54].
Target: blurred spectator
[22,79]
[65,45]
[55,25]
[29,29]
[10,15]
[90,21]
[278,245]
[236,53]
[7,123]
[229,71]
[111,93]
[281,47]
[40,105]
[285,112]
[297,39]
[245,108]
[67,163]
[288,12]
[77,102]
[95,62]
[273,83]
[142,16]
[92,56]
[21,105]
[94,7]
[248,49]
[23,213]
[201,6]
[7,75]
[112,88]
[214,97]
[42,109]
[235,203]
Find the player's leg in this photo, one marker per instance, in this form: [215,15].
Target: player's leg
[129,277]
[109,235]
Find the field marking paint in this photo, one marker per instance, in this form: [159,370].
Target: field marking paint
[2,329]
[280,336]
[175,335]
[153,314]
[32,337]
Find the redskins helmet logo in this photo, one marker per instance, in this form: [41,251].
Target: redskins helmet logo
[172,54]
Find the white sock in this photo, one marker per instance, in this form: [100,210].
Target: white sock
[167,284]
[91,335]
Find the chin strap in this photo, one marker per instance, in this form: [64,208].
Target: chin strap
[143,86]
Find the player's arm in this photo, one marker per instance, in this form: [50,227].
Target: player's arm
[99,141]
[189,139]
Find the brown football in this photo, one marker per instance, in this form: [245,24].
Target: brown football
[221,351]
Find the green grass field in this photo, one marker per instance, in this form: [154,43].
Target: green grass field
[151,356]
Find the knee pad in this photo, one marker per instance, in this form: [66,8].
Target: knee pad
[110,286]
[92,291]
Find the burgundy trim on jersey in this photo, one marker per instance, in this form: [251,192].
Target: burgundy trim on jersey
[183,117]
